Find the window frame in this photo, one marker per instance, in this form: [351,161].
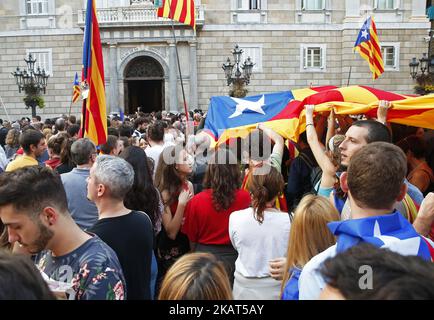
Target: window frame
[303,6]
[395,5]
[30,3]
[396,52]
[49,53]
[257,68]
[249,5]
[304,47]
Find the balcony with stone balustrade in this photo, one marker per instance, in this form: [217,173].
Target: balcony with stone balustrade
[135,15]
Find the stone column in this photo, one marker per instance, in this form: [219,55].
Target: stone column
[193,76]
[113,69]
[173,82]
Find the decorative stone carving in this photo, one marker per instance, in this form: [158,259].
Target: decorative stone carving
[144,67]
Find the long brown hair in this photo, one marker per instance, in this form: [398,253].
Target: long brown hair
[223,177]
[264,188]
[167,177]
[309,234]
[196,276]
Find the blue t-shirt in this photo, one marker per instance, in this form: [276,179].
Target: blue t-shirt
[414,192]
[291,288]
[93,269]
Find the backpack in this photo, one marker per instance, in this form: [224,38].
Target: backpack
[315,173]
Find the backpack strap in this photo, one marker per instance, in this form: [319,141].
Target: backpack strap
[306,160]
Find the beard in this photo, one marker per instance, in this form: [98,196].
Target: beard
[41,242]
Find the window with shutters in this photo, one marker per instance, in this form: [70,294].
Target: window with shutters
[254,51]
[43,59]
[390,53]
[36,7]
[313,57]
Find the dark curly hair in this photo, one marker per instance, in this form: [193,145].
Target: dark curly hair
[223,177]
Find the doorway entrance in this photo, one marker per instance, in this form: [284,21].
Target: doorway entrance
[144,85]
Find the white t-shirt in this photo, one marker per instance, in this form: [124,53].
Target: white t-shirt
[154,153]
[311,283]
[258,243]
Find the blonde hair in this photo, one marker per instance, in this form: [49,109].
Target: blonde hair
[309,233]
[196,276]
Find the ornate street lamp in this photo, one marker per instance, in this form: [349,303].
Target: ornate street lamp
[238,74]
[33,82]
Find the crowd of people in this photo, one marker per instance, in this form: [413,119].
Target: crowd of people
[157,213]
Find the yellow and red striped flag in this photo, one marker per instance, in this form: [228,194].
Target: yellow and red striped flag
[94,122]
[368,46]
[76,89]
[179,10]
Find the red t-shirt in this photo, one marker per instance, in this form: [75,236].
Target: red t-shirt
[203,224]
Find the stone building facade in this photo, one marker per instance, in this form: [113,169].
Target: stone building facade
[293,43]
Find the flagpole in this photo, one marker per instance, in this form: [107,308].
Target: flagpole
[83,118]
[177,58]
[70,105]
[349,76]
[4,107]
[179,69]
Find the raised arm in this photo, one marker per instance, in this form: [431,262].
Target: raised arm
[327,167]
[330,127]
[277,139]
[425,216]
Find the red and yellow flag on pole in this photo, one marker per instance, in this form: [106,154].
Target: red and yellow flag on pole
[94,122]
[368,46]
[179,10]
[76,89]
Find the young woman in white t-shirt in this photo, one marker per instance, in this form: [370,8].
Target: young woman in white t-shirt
[259,234]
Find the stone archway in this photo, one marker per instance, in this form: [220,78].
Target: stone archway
[143,79]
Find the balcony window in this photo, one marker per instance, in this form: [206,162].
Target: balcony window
[37,7]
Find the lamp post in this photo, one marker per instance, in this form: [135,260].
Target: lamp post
[33,82]
[238,74]
[422,71]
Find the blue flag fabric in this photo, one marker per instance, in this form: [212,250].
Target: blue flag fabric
[392,231]
[227,112]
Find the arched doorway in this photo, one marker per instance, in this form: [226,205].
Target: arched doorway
[144,85]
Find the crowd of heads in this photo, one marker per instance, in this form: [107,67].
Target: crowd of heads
[373,177]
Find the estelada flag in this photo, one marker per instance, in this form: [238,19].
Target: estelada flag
[284,111]
[76,89]
[94,113]
[229,117]
[178,10]
[368,46]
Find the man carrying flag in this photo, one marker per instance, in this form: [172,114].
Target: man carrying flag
[94,122]
[76,89]
[368,46]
